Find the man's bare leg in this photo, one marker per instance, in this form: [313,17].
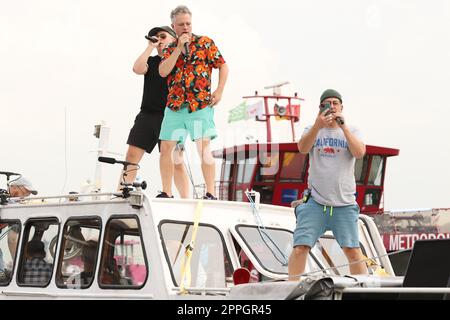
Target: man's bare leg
[208,164]
[297,262]
[354,255]
[166,165]
[180,176]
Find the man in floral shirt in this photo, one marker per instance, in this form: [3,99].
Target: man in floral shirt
[188,65]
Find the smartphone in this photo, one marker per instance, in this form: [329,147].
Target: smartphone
[325,106]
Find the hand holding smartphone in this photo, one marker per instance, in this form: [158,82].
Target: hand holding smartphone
[325,106]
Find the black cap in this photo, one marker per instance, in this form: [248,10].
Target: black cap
[154,31]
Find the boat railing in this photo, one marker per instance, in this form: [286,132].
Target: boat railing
[200,190]
[68,197]
[203,290]
[402,292]
[429,290]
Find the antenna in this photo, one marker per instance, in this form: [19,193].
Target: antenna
[277,88]
[101,132]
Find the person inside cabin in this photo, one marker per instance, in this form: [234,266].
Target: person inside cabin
[144,135]
[188,65]
[36,270]
[109,269]
[89,258]
[332,146]
[18,188]
[7,263]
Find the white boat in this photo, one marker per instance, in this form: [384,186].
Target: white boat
[132,246]
[142,248]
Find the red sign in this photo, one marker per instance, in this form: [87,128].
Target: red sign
[402,241]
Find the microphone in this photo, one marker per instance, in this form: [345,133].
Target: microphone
[113,161]
[153,39]
[186,47]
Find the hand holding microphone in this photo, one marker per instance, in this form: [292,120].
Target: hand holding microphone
[327,115]
[183,42]
[154,40]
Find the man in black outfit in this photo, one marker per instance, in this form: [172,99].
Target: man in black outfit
[144,135]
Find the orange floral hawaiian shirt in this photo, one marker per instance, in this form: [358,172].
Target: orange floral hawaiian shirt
[189,81]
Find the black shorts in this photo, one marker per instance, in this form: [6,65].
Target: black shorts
[145,132]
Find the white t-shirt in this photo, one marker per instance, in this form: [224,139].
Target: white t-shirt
[332,168]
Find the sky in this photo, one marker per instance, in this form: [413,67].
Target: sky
[66,65]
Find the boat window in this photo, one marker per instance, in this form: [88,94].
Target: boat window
[372,197]
[265,192]
[268,167]
[360,170]
[293,167]
[210,264]
[123,264]
[271,247]
[78,257]
[9,235]
[240,172]
[225,188]
[239,195]
[224,191]
[329,251]
[367,246]
[37,254]
[226,169]
[376,171]
[250,164]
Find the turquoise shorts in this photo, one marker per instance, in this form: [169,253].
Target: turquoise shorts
[314,219]
[177,125]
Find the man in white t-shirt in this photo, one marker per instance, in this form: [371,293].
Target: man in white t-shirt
[333,147]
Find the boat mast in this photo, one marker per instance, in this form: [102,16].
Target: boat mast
[288,112]
[102,133]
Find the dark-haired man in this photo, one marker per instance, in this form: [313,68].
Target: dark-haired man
[144,135]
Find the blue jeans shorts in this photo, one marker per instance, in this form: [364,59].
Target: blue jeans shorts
[314,219]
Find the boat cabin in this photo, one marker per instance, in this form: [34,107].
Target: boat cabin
[279,172]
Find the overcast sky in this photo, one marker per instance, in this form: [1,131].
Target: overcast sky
[66,65]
